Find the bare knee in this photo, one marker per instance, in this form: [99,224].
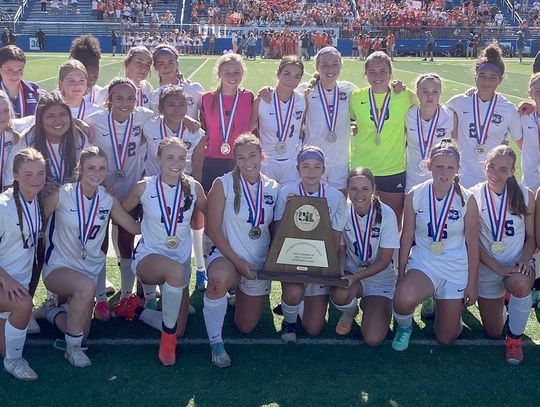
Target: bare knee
[293,294]
[373,339]
[312,329]
[405,301]
[176,277]
[340,297]
[23,306]
[244,326]
[85,290]
[445,338]
[216,287]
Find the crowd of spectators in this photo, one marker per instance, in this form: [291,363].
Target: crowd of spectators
[187,43]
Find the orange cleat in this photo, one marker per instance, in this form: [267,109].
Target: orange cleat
[102,311]
[167,349]
[514,351]
[126,307]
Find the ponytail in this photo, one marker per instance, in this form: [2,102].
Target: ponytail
[375,201]
[236,189]
[312,83]
[516,200]
[186,191]
[18,205]
[458,190]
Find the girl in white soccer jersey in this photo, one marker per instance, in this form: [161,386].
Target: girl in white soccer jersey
[441,218]
[279,122]
[369,239]
[72,83]
[240,211]
[118,131]
[426,125]
[311,166]
[8,140]
[86,49]
[165,59]
[530,126]
[163,256]
[485,118]
[76,229]
[507,245]
[21,216]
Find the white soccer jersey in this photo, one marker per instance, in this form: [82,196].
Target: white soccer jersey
[134,162]
[383,235]
[154,132]
[23,124]
[452,265]
[268,127]
[153,226]
[445,124]
[143,95]
[17,256]
[513,236]
[84,110]
[530,153]
[236,226]
[316,130]
[8,148]
[505,119]
[92,94]
[63,236]
[337,206]
[193,92]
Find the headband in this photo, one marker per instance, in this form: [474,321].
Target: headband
[488,66]
[444,150]
[165,50]
[328,50]
[310,152]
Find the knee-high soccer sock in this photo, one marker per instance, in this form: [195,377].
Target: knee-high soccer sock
[518,314]
[149,291]
[350,309]
[290,312]
[127,278]
[214,314]
[171,298]
[15,339]
[150,317]
[198,248]
[73,341]
[101,289]
[403,321]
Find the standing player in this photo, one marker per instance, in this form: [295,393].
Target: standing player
[311,166]
[530,126]
[8,139]
[442,219]
[485,118]
[240,211]
[369,239]
[72,83]
[507,246]
[21,216]
[87,50]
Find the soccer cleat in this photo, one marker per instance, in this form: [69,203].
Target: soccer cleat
[428,308]
[401,340]
[219,355]
[201,280]
[33,326]
[151,303]
[20,369]
[126,307]
[288,332]
[514,350]
[102,311]
[344,325]
[77,357]
[167,349]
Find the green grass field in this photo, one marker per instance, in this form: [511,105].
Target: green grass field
[328,370]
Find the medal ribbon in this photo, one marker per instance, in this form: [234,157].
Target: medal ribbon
[120,150]
[140,97]
[496,221]
[226,129]
[437,223]
[56,165]
[82,110]
[482,131]
[255,206]
[329,116]
[363,241]
[321,193]
[170,222]
[378,116]
[426,143]
[86,224]
[2,155]
[283,127]
[33,227]
[178,133]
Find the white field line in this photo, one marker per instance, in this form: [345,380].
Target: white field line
[56,77]
[198,68]
[267,341]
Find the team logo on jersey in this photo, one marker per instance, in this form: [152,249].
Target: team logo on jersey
[440,133]
[453,214]
[497,119]
[190,101]
[8,145]
[342,96]
[298,114]
[269,199]
[375,233]
[136,131]
[103,213]
[188,144]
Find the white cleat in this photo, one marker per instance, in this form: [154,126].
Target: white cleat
[77,357]
[20,369]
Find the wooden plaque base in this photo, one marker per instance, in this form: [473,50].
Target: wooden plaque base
[301,277]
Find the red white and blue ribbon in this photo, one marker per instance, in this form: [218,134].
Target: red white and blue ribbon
[436,223]
[482,128]
[363,241]
[226,128]
[120,150]
[170,220]
[425,143]
[82,110]
[321,193]
[33,222]
[140,97]
[283,126]
[497,219]
[86,223]
[178,133]
[255,205]
[330,111]
[378,115]
[56,164]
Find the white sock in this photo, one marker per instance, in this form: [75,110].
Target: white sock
[15,339]
[301,309]
[350,309]
[198,248]
[73,341]
[171,298]
[127,278]
[152,318]
[214,313]
[290,312]
[518,313]
[101,290]
[149,291]
[403,321]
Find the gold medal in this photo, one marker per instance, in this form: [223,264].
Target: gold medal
[172,242]
[225,149]
[497,248]
[437,248]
